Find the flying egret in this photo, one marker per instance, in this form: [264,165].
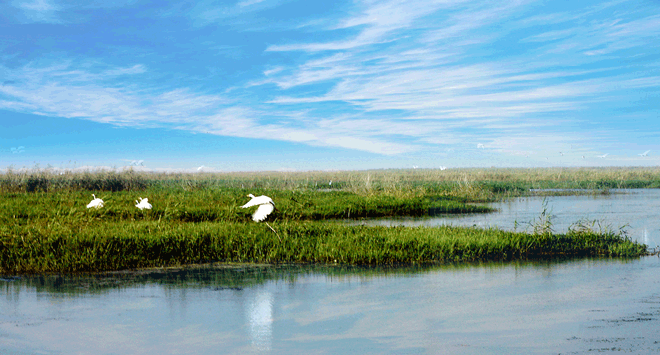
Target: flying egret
[442,167]
[17,150]
[479,145]
[604,155]
[143,204]
[96,202]
[645,154]
[266,206]
[200,168]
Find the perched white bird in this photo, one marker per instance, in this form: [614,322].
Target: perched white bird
[143,204]
[266,206]
[645,154]
[96,202]
[604,155]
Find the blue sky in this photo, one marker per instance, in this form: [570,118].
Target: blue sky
[307,85]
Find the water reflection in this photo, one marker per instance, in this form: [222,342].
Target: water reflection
[494,307]
[260,318]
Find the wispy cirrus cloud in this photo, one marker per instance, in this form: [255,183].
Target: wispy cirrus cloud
[38,10]
[108,96]
[440,72]
[386,77]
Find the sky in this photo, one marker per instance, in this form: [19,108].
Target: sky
[255,85]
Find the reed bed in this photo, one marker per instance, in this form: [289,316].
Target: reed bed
[468,184]
[45,227]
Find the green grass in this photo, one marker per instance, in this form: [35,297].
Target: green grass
[116,246]
[45,226]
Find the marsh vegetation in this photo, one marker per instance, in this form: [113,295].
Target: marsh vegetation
[46,227]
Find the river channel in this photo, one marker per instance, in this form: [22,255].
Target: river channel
[575,306]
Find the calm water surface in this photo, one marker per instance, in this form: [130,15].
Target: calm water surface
[569,307]
[637,211]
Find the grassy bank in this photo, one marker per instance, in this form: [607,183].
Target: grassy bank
[214,205]
[115,246]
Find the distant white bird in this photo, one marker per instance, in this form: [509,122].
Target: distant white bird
[479,145]
[645,154]
[16,150]
[415,166]
[266,206]
[143,204]
[604,155]
[200,168]
[442,167]
[135,162]
[562,154]
[96,202]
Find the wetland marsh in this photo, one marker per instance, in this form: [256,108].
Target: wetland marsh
[45,226]
[526,304]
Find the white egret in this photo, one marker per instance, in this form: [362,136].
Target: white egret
[143,204]
[16,150]
[135,162]
[645,154]
[604,155]
[479,145]
[96,202]
[442,167]
[200,168]
[266,206]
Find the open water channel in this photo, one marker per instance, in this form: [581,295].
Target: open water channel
[573,306]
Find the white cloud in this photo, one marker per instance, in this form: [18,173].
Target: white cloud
[38,10]
[405,76]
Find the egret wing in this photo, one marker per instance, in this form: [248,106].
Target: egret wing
[259,200]
[262,212]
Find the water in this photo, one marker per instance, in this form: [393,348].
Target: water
[637,212]
[574,306]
